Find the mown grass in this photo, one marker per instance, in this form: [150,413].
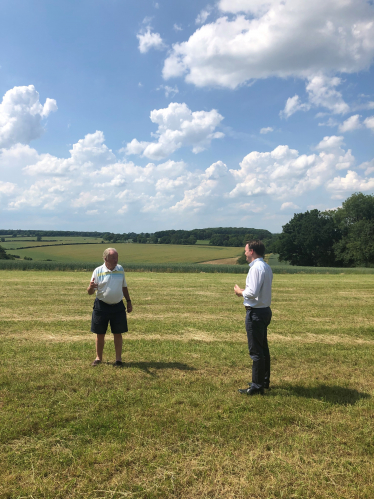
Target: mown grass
[171,424]
[176,267]
[130,253]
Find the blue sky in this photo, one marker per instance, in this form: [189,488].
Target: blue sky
[125,116]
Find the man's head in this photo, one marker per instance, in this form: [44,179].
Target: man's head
[254,249]
[110,257]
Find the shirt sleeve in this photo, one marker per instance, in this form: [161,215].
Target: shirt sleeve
[253,284]
[94,276]
[124,284]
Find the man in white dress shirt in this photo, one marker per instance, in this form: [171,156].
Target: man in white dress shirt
[109,282]
[257,300]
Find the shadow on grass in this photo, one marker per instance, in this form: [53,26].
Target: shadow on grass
[326,393]
[146,366]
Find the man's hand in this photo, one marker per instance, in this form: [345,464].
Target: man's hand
[129,306]
[92,287]
[238,291]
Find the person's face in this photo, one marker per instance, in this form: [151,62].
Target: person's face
[248,254]
[111,260]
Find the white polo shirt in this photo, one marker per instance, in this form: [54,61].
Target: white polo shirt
[110,283]
[257,293]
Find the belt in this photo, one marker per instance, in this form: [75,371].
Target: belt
[247,307]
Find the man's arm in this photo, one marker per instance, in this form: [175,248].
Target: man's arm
[92,287]
[126,294]
[238,291]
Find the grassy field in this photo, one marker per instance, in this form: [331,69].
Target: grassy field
[170,424]
[130,253]
[21,242]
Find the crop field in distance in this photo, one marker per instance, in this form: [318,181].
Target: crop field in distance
[128,252]
[170,423]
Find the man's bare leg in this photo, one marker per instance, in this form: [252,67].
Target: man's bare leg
[100,340]
[118,346]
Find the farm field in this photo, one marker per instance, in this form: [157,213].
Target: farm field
[20,242]
[131,253]
[171,424]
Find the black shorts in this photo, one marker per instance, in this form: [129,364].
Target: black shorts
[103,314]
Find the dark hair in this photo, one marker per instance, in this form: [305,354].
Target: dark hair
[257,246]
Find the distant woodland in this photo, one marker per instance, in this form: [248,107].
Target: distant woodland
[343,237]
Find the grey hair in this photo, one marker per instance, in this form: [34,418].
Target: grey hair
[107,251]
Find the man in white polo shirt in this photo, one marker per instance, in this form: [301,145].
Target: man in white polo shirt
[257,299]
[110,285]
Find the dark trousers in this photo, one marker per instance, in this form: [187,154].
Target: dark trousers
[256,325]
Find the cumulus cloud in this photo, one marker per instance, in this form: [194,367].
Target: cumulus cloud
[352,123]
[369,123]
[322,92]
[93,181]
[293,105]
[148,40]
[284,172]
[21,115]
[280,38]
[352,182]
[84,156]
[178,127]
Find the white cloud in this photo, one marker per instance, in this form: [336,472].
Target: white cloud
[93,181]
[283,173]
[178,127]
[85,155]
[293,105]
[172,91]
[21,115]
[289,206]
[266,130]
[369,123]
[276,38]
[148,40]
[352,123]
[322,93]
[86,198]
[331,122]
[352,182]
[7,187]
[176,27]
[203,15]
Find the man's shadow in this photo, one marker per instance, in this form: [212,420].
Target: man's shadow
[147,366]
[332,394]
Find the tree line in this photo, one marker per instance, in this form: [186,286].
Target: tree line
[343,237]
[217,236]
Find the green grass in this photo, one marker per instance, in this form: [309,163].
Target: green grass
[171,424]
[21,242]
[131,253]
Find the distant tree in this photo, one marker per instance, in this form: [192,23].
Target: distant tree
[355,220]
[3,239]
[38,238]
[191,240]
[3,255]
[308,239]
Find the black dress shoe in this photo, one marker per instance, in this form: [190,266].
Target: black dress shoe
[251,391]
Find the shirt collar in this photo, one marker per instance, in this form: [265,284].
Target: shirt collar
[115,268]
[254,261]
